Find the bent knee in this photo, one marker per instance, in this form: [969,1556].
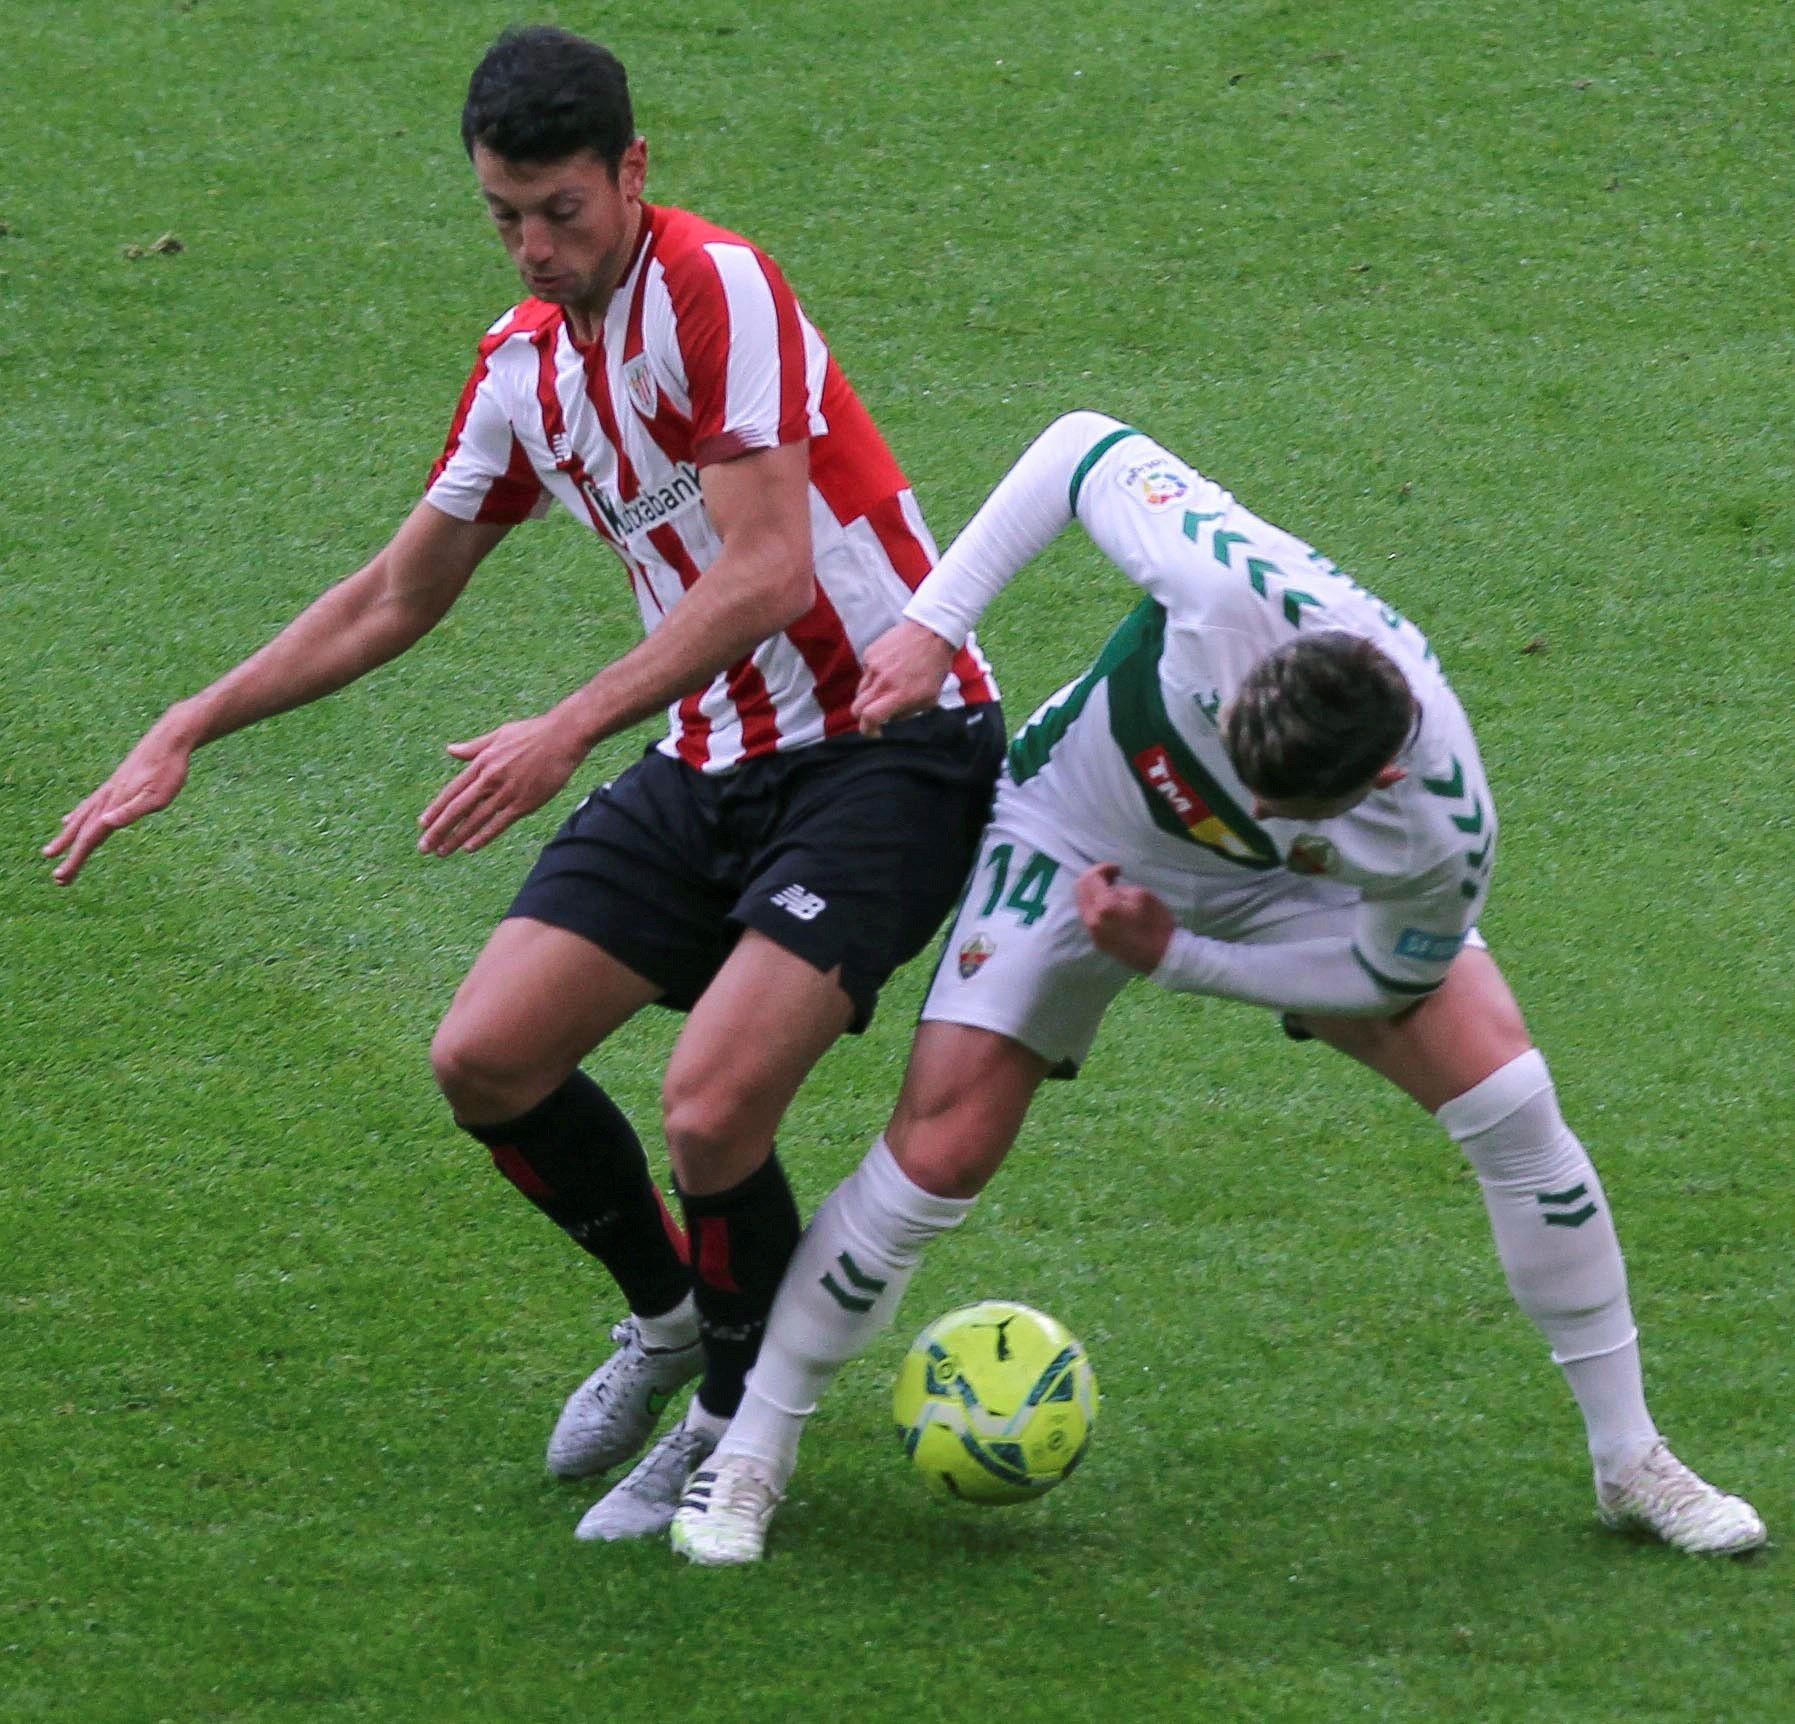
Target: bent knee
[711,1121]
[482,1077]
[951,1151]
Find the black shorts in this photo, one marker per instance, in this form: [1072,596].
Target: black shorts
[848,852]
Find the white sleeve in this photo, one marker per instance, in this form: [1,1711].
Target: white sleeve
[1324,976]
[1030,508]
[1399,951]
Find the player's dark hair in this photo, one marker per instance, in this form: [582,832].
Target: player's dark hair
[542,94]
[1319,718]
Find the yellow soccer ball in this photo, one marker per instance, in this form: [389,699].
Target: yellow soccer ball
[995,1403]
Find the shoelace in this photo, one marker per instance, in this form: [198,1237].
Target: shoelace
[1681,1492]
[744,1490]
[617,1379]
[671,1457]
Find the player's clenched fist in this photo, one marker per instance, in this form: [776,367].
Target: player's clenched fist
[1130,923]
[902,674]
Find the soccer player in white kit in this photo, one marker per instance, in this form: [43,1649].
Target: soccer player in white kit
[1263,790]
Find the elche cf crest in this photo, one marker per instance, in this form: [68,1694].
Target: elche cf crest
[1312,854]
[974,954]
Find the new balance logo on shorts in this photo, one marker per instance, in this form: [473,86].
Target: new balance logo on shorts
[806,906]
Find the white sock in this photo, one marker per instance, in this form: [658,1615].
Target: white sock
[1558,1248]
[701,1418]
[841,1290]
[675,1328]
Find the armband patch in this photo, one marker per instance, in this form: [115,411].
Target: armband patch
[1429,948]
[1155,484]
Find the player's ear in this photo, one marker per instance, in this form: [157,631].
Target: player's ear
[1388,776]
[632,170]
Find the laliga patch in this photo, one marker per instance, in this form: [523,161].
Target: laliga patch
[1155,484]
[974,955]
[1312,854]
[638,382]
[1429,948]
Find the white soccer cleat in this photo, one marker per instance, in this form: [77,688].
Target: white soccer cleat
[1662,1496]
[610,1415]
[723,1517]
[641,1505]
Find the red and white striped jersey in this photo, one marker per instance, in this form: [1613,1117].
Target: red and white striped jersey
[704,354]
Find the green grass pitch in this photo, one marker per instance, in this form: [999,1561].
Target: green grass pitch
[1490,301]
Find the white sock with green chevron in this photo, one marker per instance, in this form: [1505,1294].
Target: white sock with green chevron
[840,1291]
[1558,1248]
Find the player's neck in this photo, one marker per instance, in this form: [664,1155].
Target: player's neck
[586,316]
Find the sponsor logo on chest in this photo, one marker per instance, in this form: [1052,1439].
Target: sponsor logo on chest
[1205,826]
[648,508]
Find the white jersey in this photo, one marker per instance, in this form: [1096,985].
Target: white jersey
[1126,764]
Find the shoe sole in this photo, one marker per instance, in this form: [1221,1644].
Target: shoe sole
[705,1559]
[1628,1523]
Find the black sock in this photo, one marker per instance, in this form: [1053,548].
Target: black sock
[741,1241]
[579,1161]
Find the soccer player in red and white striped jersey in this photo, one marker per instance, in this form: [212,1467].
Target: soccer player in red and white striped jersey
[766,867]
[701,356]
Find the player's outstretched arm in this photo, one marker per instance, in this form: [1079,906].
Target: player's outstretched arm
[1030,507]
[360,623]
[762,582]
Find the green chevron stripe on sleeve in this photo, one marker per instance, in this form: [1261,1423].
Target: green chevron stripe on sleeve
[1093,455]
[1448,787]
[1223,542]
[1389,983]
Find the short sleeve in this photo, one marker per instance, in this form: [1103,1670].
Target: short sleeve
[484,472]
[740,340]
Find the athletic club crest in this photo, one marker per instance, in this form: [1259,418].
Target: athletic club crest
[973,955]
[1312,854]
[638,381]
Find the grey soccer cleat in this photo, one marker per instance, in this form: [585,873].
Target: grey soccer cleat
[642,1504]
[610,1415]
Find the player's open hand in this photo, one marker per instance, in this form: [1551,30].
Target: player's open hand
[903,673]
[148,779]
[1130,923]
[510,772]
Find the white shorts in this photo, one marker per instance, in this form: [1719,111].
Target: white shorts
[1019,962]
